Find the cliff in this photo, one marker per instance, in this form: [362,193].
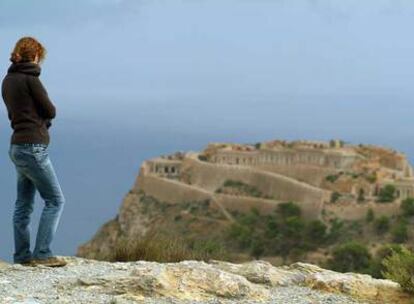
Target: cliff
[88,281]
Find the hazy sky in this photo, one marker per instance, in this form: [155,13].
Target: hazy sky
[232,52]
[132,79]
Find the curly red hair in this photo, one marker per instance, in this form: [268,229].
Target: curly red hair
[26,49]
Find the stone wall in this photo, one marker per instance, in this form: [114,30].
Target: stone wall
[310,211]
[310,174]
[212,176]
[359,211]
[170,191]
[206,178]
[329,159]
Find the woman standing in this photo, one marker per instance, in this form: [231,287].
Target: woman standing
[30,112]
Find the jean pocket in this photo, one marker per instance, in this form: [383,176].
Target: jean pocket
[19,157]
[39,153]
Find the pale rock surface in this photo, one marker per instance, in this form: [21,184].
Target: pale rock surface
[196,282]
[358,286]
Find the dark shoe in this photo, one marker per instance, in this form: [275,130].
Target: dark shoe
[30,263]
[50,262]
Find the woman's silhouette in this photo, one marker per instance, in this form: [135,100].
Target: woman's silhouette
[30,112]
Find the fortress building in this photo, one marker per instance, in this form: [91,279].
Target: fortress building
[306,172]
[163,167]
[288,157]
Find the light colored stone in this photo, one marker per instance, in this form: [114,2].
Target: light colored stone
[360,286]
[191,282]
[262,272]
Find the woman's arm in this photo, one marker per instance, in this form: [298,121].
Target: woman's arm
[46,108]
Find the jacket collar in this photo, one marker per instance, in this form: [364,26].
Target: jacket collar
[25,68]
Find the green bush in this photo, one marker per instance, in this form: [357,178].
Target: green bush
[288,209]
[291,236]
[355,228]
[257,248]
[271,227]
[207,247]
[361,196]
[242,187]
[278,233]
[283,232]
[376,267]
[315,233]
[407,207]
[370,215]
[335,196]
[350,257]
[251,218]
[245,230]
[382,224]
[399,267]
[400,232]
[387,194]
[371,178]
[293,228]
[332,178]
[336,231]
[202,157]
[242,234]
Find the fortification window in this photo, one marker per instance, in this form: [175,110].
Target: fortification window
[172,169]
[165,169]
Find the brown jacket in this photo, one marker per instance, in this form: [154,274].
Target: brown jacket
[29,108]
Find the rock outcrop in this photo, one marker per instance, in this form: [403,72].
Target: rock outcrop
[91,281]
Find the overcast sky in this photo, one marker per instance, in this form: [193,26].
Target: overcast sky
[231,51]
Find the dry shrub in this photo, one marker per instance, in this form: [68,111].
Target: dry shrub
[399,267]
[162,248]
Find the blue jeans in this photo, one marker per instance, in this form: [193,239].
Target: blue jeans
[35,171]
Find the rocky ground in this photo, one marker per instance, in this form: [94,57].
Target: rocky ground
[90,281]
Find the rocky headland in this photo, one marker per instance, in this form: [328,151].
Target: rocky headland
[201,194]
[89,281]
